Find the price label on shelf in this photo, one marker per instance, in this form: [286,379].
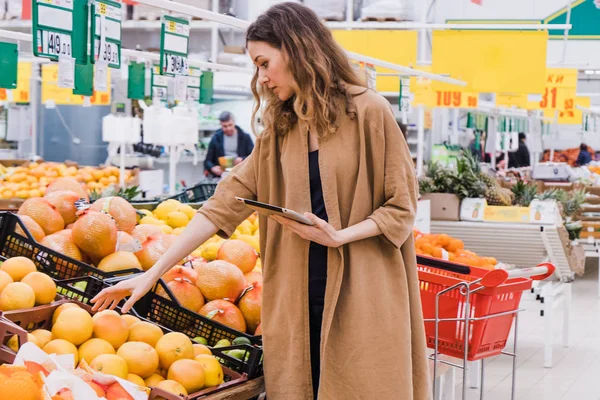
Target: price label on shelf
[106,28]
[54,43]
[174,43]
[66,72]
[455,99]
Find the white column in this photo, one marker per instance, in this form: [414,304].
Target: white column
[420,138]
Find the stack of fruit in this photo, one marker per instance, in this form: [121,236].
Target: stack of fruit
[21,382]
[21,286]
[31,181]
[130,349]
[170,215]
[448,248]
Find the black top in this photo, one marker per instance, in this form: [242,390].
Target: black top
[317,257]
[216,148]
[519,158]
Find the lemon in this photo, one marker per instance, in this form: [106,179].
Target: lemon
[210,251]
[177,219]
[165,208]
[166,229]
[149,221]
[177,231]
[245,228]
[251,240]
[187,210]
[255,226]
[213,372]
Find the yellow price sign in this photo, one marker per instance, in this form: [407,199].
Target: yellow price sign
[455,99]
[62,96]
[570,114]
[21,94]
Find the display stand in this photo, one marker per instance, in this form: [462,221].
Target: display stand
[525,246]
[592,250]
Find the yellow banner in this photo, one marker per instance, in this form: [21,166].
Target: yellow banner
[62,96]
[570,115]
[425,95]
[394,46]
[21,94]
[486,60]
[559,91]
[506,214]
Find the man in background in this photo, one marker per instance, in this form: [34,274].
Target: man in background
[520,158]
[229,141]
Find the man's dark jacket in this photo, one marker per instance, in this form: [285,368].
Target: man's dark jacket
[216,147]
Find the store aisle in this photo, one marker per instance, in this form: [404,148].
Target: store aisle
[576,371]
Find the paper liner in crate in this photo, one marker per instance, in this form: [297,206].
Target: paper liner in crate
[63,376]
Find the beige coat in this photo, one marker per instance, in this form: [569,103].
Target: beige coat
[373,339]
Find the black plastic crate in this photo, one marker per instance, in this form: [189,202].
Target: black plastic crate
[251,362]
[197,194]
[71,288]
[57,265]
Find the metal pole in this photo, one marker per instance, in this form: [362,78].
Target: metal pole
[122,165]
[214,34]
[514,366]
[566,37]
[34,101]
[420,138]
[349,10]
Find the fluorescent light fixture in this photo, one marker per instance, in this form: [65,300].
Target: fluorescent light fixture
[598,72]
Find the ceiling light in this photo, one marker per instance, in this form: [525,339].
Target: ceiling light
[598,72]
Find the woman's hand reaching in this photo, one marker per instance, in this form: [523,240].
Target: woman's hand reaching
[322,232]
[135,288]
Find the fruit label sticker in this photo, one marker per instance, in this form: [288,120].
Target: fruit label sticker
[472,209]
[543,212]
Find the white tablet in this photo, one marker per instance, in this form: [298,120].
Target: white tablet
[268,209]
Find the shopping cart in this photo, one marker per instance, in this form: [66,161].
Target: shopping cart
[468,311]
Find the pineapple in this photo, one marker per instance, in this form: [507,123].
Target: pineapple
[524,193]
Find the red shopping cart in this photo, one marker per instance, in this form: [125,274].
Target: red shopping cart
[469,311]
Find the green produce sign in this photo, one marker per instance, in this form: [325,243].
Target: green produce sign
[106,28]
[174,41]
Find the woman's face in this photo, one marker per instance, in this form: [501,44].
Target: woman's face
[273,72]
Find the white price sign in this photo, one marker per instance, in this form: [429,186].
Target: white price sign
[159,92]
[109,53]
[175,64]
[55,43]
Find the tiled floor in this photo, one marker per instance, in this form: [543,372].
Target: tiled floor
[575,374]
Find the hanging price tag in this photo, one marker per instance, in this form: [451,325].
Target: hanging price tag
[66,72]
[101,76]
[181,87]
[174,46]
[106,29]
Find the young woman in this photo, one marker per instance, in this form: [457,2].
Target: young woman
[341,314]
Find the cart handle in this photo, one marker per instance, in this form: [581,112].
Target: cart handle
[499,276]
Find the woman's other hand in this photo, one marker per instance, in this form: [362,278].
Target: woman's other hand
[322,232]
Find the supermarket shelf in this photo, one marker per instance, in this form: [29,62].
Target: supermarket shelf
[523,245]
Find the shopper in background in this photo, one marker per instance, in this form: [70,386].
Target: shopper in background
[229,141]
[520,158]
[584,157]
[341,307]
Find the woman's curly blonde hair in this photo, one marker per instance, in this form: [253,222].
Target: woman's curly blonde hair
[319,67]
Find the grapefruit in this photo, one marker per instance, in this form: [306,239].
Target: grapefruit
[239,253]
[153,248]
[43,286]
[130,319]
[22,386]
[62,308]
[69,184]
[18,267]
[120,209]
[44,213]
[142,232]
[220,280]
[110,364]
[153,380]
[213,372]
[104,312]
[186,294]
[33,227]
[172,387]
[5,279]
[111,328]
[118,261]
[141,358]
[96,234]
[225,313]
[133,378]
[42,336]
[94,348]
[172,347]
[189,373]
[62,347]
[117,392]
[250,306]
[17,295]
[62,242]
[64,202]
[201,349]
[145,332]
[97,388]
[181,272]
[253,278]
[258,331]
[75,325]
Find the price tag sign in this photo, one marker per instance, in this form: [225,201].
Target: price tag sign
[66,72]
[193,84]
[159,85]
[60,29]
[106,28]
[181,85]
[454,99]
[175,35]
[101,76]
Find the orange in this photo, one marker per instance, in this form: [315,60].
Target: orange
[16,296]
[153,380]
[173,387]
[131,320]
[141,358]
[43,286]
[33,227]
[20,386]
[110,364]
[201,349]
[136,379]
[62,347]
[42,336]
[62,308]
[94,348]
[239,253]
[118,261]
[172,347]
[145,332]
[213,372]
[111,328]
[105,312]
[18,267]
[5,279]
[189,373]
[220,280]
[74,325]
